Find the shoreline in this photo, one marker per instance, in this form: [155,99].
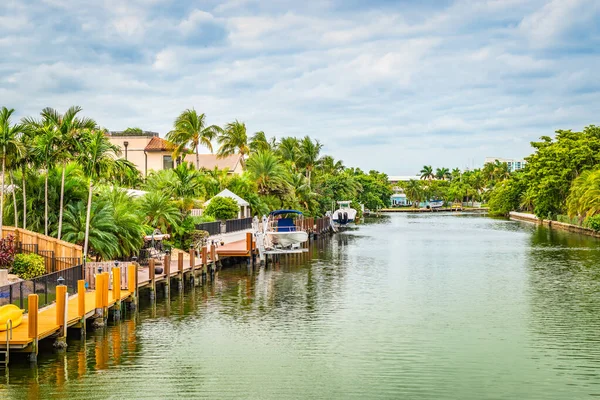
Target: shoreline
[425,210]
[525,217]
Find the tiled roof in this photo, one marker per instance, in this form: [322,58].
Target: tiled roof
[210,161]
[158,144]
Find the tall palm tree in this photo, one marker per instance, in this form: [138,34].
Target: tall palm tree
[97,159]
[10,146]
[69,127]
[442,173]
[289,150]
[26,160]
[46,146]
[190,130]
[159,211]
[309,155]
[414,192]
[427,172]
[233,139]
[330,166]
[259,142]
[268,173]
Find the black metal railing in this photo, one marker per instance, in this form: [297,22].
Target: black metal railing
[213,228]
[52,263]
[234,225]
[45,286]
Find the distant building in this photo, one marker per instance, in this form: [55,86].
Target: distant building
[513,165]
[149,152]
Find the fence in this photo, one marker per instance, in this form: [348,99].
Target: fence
[45,286]
[234,225]
[45,243]
[213,228]
[92,268]
[52,263]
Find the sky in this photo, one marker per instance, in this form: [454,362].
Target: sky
[386,85]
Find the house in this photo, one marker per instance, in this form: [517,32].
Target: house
[513,164]
[234,164]
[244,211]
[149,152]
[146,150]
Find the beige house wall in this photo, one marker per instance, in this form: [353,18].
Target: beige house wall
[145,163]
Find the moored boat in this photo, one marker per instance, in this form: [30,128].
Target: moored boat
[283,231]
[345,215]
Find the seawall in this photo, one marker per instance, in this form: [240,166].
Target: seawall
[552,224]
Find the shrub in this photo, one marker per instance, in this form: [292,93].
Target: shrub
[222,208]
[594,222]
[203,219]
[7,251]
[28,266]
[199,238]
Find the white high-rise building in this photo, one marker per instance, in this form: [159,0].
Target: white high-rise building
[513,164]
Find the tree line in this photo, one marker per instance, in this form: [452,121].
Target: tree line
[62,176]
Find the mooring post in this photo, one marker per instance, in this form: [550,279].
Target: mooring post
[61,311]
[32,324]
[152,273]
[192,263]
[105,286]
[180,270]
[116,292]
[98,293]
[81,304]
[132,284]
[204,262]
[213,258]
[167,269]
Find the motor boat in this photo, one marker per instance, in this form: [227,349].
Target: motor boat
[345,215]
[283,229]
[435,204]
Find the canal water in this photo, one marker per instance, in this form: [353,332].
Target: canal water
[424,306]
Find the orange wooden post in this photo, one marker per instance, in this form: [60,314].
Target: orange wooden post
[249,242]
[116,289]
[105,284]
[81,298]
[167,271]
[98,290]
[180,270]
[131,275]
[213,253]
[32,316]
[152,274]
[61,291]
[192,258]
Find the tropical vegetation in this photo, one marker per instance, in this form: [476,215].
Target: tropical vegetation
[61,176]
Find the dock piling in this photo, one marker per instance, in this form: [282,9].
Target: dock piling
[167,270]
[180,270]
[81,304]
[33,324]
[152,273]
[61,316]
[116,290]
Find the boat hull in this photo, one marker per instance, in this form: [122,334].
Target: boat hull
[286,239]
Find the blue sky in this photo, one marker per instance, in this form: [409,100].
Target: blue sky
[388,85]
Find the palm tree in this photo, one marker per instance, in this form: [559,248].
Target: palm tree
[442,173]
[159,211]
[414,192]
[233,139]
[10,146]
[259,142]
[328,165]
[268,173]
[309,155]
[289,150]
[46,149]
[97,159]
[190,130]
[68,127]
[26,159]
[427,172]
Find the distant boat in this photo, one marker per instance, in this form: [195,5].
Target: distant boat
[282,230]
[345,215]
[436,204]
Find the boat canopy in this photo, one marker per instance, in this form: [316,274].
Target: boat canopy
[280,212]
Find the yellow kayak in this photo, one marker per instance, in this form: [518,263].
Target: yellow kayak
[12,312]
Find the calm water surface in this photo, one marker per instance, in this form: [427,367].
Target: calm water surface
[408,306]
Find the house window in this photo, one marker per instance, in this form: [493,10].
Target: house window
[167,162]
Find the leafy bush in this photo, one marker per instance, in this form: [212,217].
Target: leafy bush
[222,208]
[594,222]
[28,266]
[203,219]
[7,251]
[199,238]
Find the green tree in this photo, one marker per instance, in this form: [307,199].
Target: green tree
[414,192]
[259,142]
[97,159]
[309,155]
[190,130]
[233,139]
[267,171]
[222,208]
[10,146]
[442,173]
[427,172]
[159,211]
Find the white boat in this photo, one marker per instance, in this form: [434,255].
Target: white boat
[433,204]
[283,231]
[345,215]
